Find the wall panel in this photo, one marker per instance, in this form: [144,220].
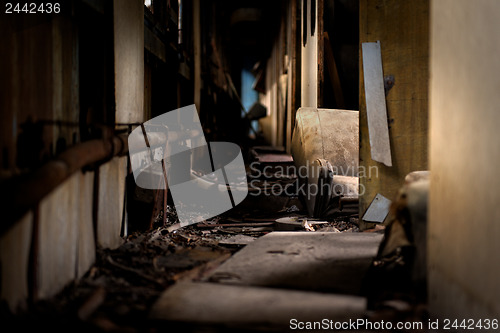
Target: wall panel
[464,211]
[402,27]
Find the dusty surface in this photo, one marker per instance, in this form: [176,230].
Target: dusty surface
[312,261]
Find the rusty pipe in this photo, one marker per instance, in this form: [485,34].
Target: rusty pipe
[21,193]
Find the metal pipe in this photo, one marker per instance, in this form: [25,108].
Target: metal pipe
[21,193]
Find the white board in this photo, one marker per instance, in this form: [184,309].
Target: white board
[375,103]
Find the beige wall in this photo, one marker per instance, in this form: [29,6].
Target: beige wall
[464,216]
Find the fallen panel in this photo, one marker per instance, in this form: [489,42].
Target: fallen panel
[252,307]
[333,262]
[378,209]
[376,109]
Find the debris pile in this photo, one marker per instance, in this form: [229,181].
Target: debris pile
[118,291]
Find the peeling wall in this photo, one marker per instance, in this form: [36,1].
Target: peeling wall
[464,216]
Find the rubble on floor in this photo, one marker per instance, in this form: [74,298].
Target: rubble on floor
[267,248]
[119,290]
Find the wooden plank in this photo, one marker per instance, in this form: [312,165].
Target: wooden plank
[403,30]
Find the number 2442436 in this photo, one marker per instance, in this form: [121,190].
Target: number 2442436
[32,8]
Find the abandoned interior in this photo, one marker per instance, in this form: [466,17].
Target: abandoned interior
[362,194]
